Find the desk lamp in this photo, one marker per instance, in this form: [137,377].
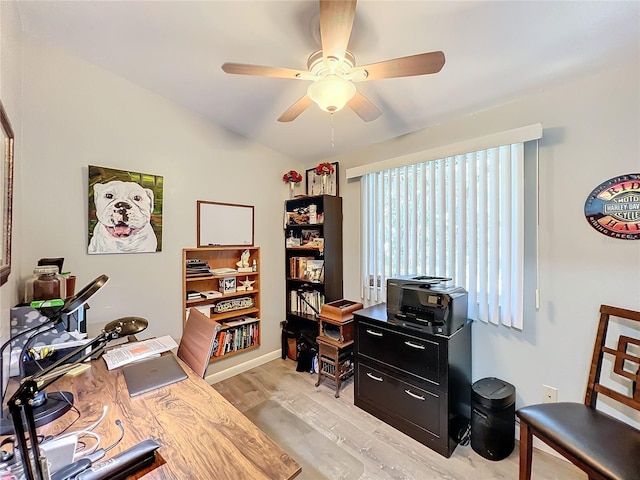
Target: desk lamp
[49,407]
[20,406]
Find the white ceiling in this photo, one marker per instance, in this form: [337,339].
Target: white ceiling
[495,53]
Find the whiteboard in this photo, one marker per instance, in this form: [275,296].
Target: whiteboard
[224,224]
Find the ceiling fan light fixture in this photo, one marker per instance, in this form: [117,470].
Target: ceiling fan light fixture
[331,92]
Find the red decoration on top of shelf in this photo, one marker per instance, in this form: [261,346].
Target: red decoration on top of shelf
[324,169]
[292,177]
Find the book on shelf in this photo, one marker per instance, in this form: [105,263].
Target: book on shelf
[196,266]
[204,309]
[197,269]
[194,295]
[237,338]
[222,271]
[297,266]
[194,262]
[211,294]
[301,302]
[239,321]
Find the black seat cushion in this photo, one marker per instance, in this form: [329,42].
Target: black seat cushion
[609,446]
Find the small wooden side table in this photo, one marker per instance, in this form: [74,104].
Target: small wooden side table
[335,360]
[335,341]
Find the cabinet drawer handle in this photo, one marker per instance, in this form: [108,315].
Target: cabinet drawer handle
[414,345]
[418,397]
[377,379]
[375,334]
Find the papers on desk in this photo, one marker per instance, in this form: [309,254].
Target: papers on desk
[132,352]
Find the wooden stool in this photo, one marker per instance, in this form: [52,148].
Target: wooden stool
[335,360]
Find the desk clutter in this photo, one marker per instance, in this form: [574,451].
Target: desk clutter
[49,345]
[149,422]
[163,414]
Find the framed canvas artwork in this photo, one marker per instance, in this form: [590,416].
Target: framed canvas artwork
[125,211]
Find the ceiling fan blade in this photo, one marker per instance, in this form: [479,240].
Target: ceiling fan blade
[296,109]
[420,64]
[336,22]
[366,110]
[247,69]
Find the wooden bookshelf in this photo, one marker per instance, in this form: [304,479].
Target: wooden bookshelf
[217,258]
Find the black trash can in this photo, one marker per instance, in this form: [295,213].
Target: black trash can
[493,418]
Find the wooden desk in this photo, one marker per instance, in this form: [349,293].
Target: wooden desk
[203,436]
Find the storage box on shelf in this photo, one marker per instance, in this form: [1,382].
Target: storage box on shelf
[313,256]
[213,285]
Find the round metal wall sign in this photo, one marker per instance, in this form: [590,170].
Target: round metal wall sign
[613,207]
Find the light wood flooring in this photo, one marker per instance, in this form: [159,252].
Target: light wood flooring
[386,453]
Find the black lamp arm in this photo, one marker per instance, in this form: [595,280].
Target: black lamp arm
[20,403]
[44,377]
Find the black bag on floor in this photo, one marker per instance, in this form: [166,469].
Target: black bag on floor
[307,349]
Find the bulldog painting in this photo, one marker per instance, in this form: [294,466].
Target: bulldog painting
[123,212]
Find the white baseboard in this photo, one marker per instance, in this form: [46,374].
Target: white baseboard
[243,367]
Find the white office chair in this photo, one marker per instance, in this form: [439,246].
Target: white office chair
[198,338]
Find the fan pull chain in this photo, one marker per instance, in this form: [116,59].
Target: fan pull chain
[333,136]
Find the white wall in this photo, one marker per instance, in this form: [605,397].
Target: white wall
[76,114]
[591,134]
[11,94]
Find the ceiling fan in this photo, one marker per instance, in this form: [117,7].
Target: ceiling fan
[333,70]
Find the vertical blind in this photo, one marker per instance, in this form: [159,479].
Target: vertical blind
[459,217]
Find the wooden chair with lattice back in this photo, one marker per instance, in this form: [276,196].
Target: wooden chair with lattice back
[602,446]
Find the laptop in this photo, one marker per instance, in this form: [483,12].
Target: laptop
[151,374]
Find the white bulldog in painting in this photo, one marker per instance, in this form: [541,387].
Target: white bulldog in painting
[124,213]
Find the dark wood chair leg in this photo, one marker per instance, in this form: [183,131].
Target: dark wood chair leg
[526,451]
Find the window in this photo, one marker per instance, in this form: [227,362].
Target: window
[459,217]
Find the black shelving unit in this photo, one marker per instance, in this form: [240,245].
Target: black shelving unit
[300,319]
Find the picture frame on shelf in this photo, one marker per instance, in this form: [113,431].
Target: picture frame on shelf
[308,235]
[227,285]
[292,242]
[314,182]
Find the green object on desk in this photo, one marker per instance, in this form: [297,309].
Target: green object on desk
[54,302]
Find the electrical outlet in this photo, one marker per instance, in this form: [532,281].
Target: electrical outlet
[549,394]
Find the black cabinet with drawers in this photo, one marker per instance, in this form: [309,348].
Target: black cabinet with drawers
[417,382]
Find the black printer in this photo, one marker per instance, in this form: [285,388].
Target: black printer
[425,303]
